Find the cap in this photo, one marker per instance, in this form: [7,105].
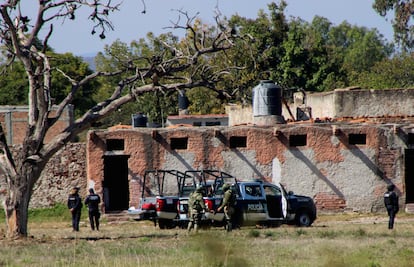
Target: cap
[74,190]
[391,187]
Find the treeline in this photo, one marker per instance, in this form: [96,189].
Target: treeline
[313,56]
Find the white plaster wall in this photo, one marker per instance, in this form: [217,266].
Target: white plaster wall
[353,179]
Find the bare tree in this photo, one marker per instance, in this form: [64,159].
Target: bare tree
[19,34]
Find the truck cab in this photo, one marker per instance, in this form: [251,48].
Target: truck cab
[262,203]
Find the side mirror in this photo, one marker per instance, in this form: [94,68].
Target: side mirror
[290,193]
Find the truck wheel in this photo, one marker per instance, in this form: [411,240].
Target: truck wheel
[166,224]
[303,219]
[162,224]
[183,225]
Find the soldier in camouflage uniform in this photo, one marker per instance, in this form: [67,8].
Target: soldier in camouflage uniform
[228,204]
[196,207]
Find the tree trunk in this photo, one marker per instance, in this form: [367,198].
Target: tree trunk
[17,216]
[17,202]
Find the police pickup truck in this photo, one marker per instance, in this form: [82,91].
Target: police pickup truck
[262,203]
[159,198]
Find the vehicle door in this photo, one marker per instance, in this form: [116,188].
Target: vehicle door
[253,203]
[274,199]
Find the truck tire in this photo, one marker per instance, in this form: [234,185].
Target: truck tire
[166,224]
[161,224]
[303,219]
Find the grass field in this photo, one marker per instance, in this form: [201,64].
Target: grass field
[333,240]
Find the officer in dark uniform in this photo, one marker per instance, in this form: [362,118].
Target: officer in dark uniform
[196,207]
[391,203]
[75,207]
[92,201]
[228,205]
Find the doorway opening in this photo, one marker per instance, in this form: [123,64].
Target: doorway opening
[409,175]
[115,183]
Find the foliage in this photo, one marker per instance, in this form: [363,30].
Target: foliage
[402,24]
[14,83]
[13,86]
[204,101]
[74,67]
[397,72]
[259,57]
[316,56]
[155,105]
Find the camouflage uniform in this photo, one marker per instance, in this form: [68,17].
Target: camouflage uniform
[195,208]
[228,204]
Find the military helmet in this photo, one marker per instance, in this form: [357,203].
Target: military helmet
[225,187]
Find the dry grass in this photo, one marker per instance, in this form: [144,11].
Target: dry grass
[334,240]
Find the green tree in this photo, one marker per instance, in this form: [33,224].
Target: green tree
[397,72]
[14,83]
[258,56]
[319,56]
[358,48]
[316,56]
[156,105]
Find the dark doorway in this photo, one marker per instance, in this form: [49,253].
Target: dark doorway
[409,175]
[115,184]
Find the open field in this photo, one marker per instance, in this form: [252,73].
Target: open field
[333,240]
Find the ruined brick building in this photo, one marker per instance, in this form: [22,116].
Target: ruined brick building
[351,144]
[341,147]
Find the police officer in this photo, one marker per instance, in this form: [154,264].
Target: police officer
[92,201]
[391,203]
[75,207]
[196,207]
[228,205]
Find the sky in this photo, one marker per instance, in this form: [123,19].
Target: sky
[131,24]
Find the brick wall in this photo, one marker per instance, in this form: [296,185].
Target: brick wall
[14,122]
[64,171]
[338,174]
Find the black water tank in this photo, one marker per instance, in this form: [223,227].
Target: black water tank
[183,101]
[267,99]
[139,120]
